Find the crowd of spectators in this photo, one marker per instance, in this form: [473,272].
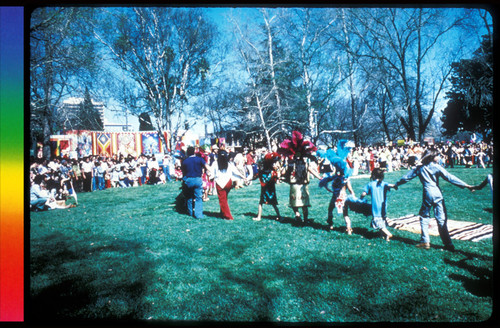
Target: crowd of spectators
[59,178]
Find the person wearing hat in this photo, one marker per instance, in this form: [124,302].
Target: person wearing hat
[429,173]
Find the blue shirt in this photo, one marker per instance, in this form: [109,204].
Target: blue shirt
[192,167]
[378,191]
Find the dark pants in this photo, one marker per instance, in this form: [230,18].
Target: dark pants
[87,182]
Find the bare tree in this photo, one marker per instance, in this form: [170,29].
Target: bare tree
[62,60]
[406,40]
[165,52]
[270,72]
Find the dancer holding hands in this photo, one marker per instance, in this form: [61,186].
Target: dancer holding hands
[429,172]
[299,156]
[377,188]
[269,174]
[338,180]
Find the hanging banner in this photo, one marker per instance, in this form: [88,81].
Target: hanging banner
[150,143]
[103,144]
[84,143]
[127,144]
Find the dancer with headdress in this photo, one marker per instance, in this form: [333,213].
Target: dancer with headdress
[269,174]
[337,181]
[299,154]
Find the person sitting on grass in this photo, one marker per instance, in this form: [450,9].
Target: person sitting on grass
[377,188]
[38,200]
[41,199]
[429,172]
[268,176]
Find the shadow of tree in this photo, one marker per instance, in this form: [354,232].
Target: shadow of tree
[68,282]
[481,285]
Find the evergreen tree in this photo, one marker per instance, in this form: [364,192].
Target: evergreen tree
[145,122]
[470,105]
[90,118]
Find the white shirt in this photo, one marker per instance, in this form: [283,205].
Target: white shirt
[222,177]
[87,167]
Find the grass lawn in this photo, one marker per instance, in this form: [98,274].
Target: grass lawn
[127,254]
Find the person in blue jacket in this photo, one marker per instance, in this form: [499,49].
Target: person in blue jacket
[429,172]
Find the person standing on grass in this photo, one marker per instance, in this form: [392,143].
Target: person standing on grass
[429,171]
[268,176]
[250,161]
[87,175]
[378,189]
[192,184]
[299,154]
[338,179]
[223,173]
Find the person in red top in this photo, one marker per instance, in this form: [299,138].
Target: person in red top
[268,176]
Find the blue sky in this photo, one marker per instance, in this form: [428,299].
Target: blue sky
[220,16]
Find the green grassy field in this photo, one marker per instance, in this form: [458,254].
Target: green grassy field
[127,254]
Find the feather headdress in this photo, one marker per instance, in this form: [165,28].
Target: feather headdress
[297,146]
[271,157]
[338,157]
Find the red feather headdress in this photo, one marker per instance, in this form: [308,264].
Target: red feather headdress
[271,157]
[297,146]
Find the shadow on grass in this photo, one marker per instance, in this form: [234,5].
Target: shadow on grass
[481,285]
[294,222]
[215,215]
[68,283]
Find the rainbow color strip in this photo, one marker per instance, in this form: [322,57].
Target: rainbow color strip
[11,164]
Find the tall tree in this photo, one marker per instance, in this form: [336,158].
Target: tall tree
[145,122]
[165,52]
[62,59]
[309,32]
[470,104]
[89,116]
[271,73]
[407,41]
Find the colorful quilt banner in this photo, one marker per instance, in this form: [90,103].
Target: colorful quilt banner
[151,143]
[127,144]
[103,144]
[84,143]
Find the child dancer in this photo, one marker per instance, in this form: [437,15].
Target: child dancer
[377,188]
[339,178]
[268,176]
